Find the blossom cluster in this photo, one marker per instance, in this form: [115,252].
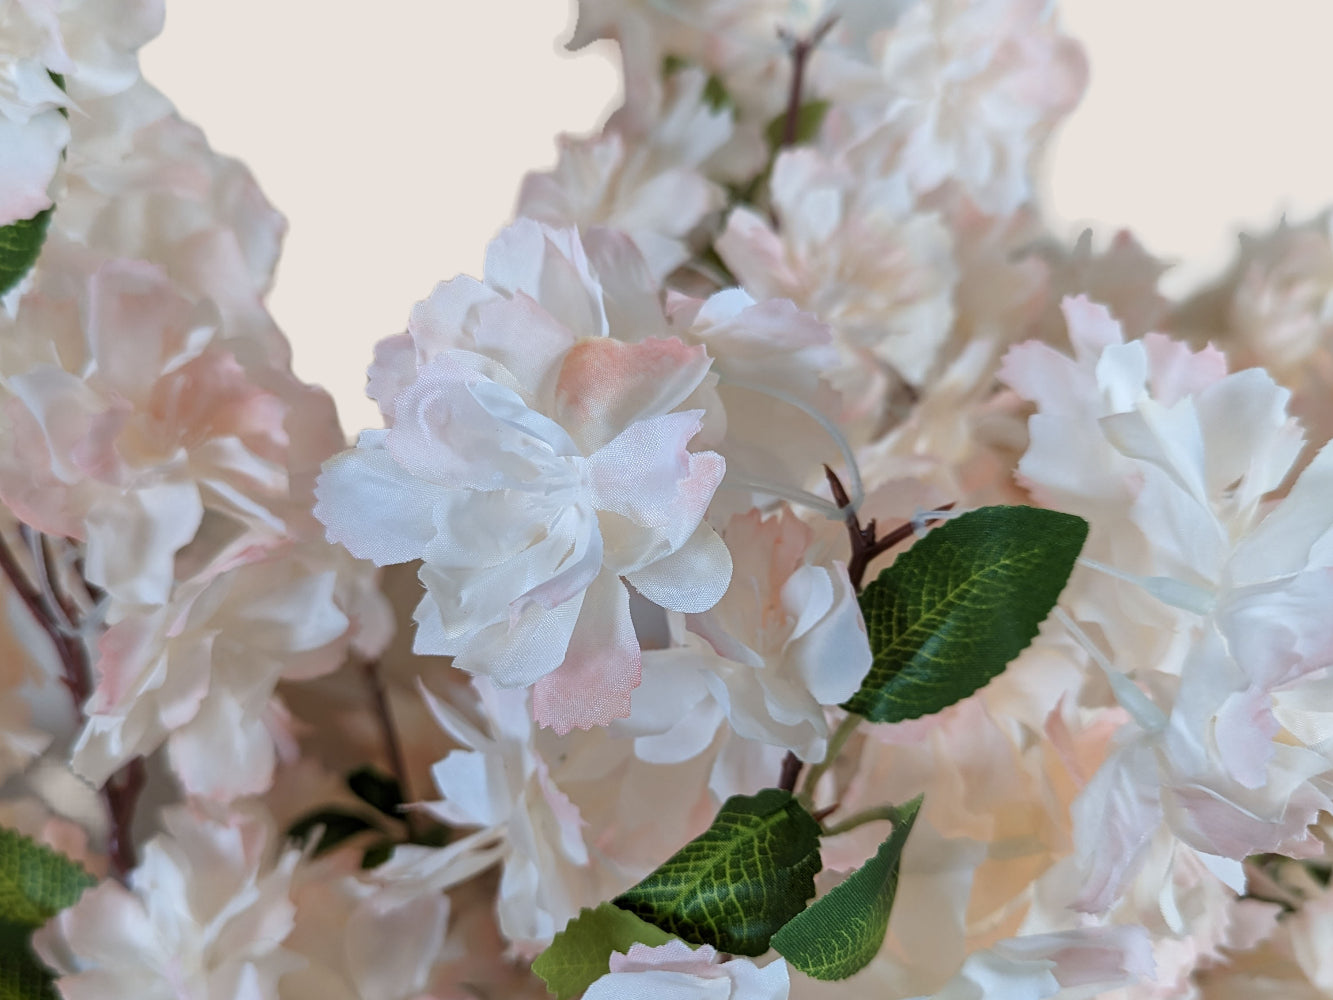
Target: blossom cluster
[405,712]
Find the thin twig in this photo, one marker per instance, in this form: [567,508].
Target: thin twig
[866,545]
[889,813]
[50,610]
[801,48]
[835,744]
[73,657]
[122,796]
[393,747]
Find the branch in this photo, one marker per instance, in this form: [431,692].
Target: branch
[801,49]
[56,617]
[866,545]
[889,813]
[393,747]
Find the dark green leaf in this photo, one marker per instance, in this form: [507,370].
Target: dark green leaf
[431,835]
[20,243]
[809,118]
[338,826]
[378,853]
[35,882]
[954,609]
[739,881]
[581,953]
[843,930]
[22,976]
[378,789]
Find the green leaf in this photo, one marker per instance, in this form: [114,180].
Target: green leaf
[22,976]
[338,826]
[808,120]
[843,930]
[581,953]
[740,880]
[954,609]
[36,883]
[378,853]
[20,243]
[377,789]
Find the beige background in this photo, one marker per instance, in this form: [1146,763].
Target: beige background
[394,135]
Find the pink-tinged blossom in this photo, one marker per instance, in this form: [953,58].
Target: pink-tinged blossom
[646,179]
[855,254]
[92,45]
[784,642]
[1071,964]
[1205,592]
[678,972]
[138,428]
[966,93]
[536,465]
[204,916]
[572,820]
[143,183]
[198,673]
[361,940]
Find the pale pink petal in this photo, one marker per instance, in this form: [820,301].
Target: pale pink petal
[691,579]
[371,506]
[1115,817]
[443,321]
[658,489]
[133,540]
[29,153]
[601,667]
[607,385]
[225,752]
[1176,371]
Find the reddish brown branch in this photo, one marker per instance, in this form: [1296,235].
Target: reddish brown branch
[801,49]
[866,544]
[57,617]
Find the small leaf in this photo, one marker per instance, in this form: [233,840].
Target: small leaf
[377,789]
[809,118]
[954,609]
[843,930]
[378,853]
[36,883]
[20,243]
[338,826]
[716,95]
[740,880]
[22,975]
[581,953]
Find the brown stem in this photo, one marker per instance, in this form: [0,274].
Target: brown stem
[801,48]
[75,674]
[57,618]
[866,545]
[393,747]
[122,796]
[791,771]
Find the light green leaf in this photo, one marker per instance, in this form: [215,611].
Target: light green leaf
[36,883]
[20,243]
[581,953]
[954,609]
[740,880]
[842,931]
